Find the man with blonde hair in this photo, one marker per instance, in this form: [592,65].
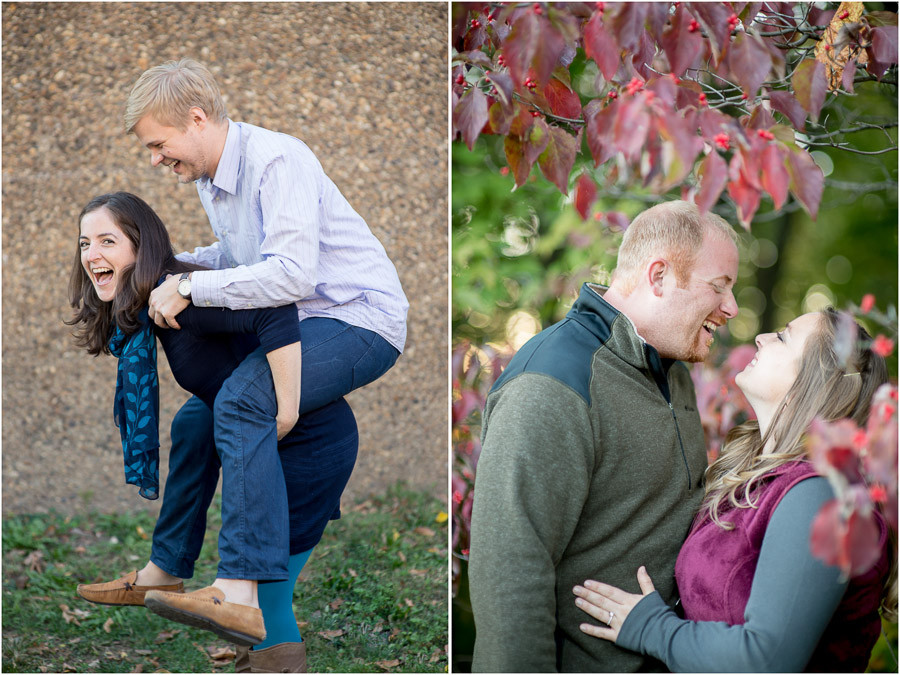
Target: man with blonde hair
[593,452]
[285,235]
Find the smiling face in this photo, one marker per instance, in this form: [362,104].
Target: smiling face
[105,252]
[694,310]
[767,379]
[182,151]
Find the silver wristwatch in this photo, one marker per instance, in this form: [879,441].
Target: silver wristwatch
[184,286]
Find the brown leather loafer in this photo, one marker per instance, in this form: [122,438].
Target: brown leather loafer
[207,609]
[122,591]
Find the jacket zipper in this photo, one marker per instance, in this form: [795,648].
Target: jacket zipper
[681,446]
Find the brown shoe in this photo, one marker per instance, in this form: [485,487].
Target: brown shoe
[287,657]
[207,609]
[241,659]
[122,591]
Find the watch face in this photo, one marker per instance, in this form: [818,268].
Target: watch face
[184,287]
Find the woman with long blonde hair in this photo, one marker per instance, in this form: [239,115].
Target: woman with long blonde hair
[753,596]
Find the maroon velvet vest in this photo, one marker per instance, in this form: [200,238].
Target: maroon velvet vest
[715,570]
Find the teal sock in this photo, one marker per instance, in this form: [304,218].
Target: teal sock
[276,602]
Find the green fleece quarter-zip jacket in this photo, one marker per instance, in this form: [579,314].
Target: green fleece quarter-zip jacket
[591,466]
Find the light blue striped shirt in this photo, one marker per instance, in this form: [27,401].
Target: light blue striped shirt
[286,234]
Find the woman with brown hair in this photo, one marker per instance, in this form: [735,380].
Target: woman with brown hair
[753,596]
[124,251]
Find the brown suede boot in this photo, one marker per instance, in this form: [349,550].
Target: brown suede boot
[241,659]
[287,657]
[207,609]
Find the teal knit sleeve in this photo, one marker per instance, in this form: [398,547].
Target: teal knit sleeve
[532,481]
[792,599]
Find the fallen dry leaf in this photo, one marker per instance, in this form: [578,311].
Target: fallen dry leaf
[81,550]
[166,635]
[35,561]
[351,572]
[401,555]
[442,517]
[335,604]
[139,668]
[409,603]
[331,634]
[418,573]
[221,653]
[387,665]
[424,531]
[140,531]
[107,625]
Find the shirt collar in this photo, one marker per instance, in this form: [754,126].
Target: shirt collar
[229,163]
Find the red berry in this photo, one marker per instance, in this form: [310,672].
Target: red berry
[765,134]
[827,48]
[460,79]
[600,6]
[722,141]
[476,23]
[883,346]
[733,21]
[613,94]
[702,99]
[535,113]
[693,26]
[634,86]
[501,61]
[744,96]
[868,302]
[538,9]
[843,15]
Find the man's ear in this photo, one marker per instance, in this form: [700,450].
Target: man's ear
[656,272]
[197,117]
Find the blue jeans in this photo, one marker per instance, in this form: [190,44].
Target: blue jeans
[240,436]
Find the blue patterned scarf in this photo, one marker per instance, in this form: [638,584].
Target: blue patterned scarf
[136,406]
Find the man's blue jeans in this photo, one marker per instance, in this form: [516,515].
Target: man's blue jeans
[240,436]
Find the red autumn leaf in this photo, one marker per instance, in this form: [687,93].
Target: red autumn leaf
[884,43]
[470,115]
[830,446]
[713,175]
[882,51]
[617,220]
[563,101]
[749,62]
[628,24]
[501,118]
[504,86]
[785,103]
[713,16]
[631,127]
[849,74]
[680,45]
[515,157]
[810,86]
[536,141]
[475,37]
[741,189]
[522,122]
[558,158]
[601,45]
[680,135]
[807,180]
[643,58]
[585,195]
[535,43]
[850,544]
[600,136]
[774,176]
[657,18]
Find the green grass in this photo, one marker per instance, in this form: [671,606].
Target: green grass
[372,598]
